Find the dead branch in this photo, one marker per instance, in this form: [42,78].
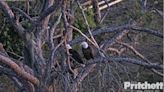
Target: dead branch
[23,13]
[149,31]
[140,55]
[18,70]
[52,30]
[10,74]
[6,71]
[106,13]
[159,12]
[76,29]
[118,29]
[128,60]
[82,75]
[49,10]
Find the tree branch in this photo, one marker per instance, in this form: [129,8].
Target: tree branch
[128,60]
[90,66]
[23,13]
[141,56]
[6,71]
[49,10]
[18,70]
[111,41]
[149,31]
[159,12]
[117,29]
[12,76]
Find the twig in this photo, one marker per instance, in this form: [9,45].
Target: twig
[20,57]
[57,36]
[106,13]
[76,29]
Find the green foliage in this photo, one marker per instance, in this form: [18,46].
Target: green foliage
[90,18]
[80,23]
[11,40]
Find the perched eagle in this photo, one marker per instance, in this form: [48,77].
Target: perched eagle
[74,55]
[87,52]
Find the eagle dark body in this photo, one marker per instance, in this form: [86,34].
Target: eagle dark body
[87,52]
[75,55]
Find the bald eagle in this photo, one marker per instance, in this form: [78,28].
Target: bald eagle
[75,56]
[87,52]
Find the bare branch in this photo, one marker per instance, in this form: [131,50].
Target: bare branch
[107,11]
[18,70]
[7,71]
[20,57]
[90,66]
[140,55]
[23,13]
[76,29]
[50,10]
[82,75]
[149,31]
[159,12]
[51,32]
[12,76]
[128,60]
[118,29]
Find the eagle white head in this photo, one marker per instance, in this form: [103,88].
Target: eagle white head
[84,45]
[68,46]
